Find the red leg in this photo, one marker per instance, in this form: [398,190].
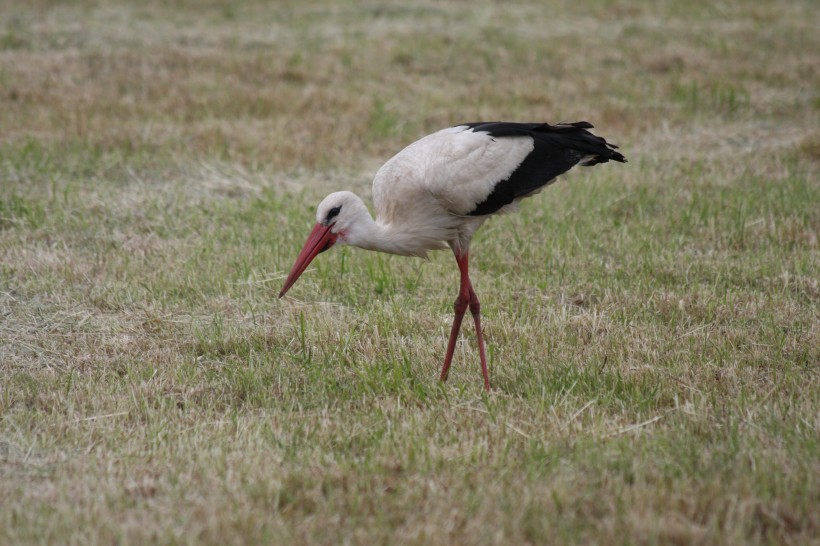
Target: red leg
[466,298]
[460,307]
[475,309]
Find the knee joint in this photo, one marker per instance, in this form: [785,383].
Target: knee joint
[475,305]
[460,306]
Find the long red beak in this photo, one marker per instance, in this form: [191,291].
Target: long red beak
[319,240]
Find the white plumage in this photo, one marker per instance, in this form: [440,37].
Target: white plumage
[440,189]
[458,167]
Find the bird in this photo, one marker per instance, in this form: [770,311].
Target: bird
[439,190]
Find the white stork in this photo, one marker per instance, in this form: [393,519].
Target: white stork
[440,189]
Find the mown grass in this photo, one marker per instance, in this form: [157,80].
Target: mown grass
[652,327]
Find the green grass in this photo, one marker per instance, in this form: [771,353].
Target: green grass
[652,328]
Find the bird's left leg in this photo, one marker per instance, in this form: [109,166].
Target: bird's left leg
[466,298]
[475,309]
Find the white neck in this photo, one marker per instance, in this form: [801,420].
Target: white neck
[362,231]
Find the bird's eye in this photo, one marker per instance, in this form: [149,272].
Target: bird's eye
[333,213]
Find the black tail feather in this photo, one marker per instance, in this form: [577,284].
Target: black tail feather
[569,136]
[582,140]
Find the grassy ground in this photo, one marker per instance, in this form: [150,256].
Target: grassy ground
[652,327]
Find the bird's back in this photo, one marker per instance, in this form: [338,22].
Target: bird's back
[555,150]
[444,171]
[477,169]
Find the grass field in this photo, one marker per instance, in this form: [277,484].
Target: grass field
[653,328]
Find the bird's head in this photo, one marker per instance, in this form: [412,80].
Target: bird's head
[336,217]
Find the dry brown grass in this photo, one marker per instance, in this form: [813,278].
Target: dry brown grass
[653,329]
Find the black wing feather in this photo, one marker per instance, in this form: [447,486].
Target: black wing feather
[556,149]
